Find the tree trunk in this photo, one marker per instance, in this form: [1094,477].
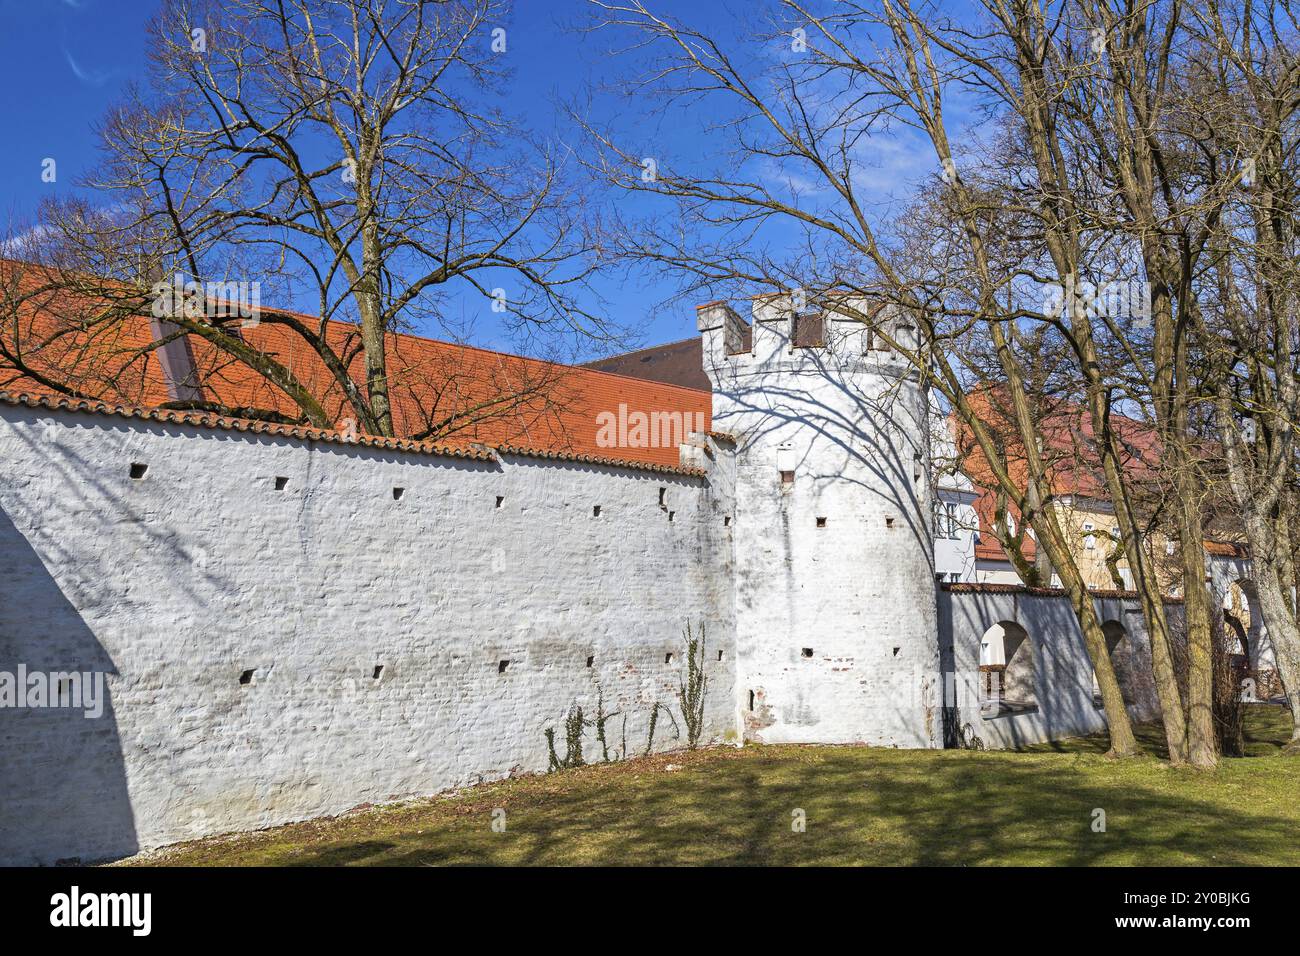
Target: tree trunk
[1285,636]
[1202,749]
[373,330]
[1268,532]
[1123,743]
[1145,581]
[372,338]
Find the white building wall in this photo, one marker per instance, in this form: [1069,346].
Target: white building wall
[177,583]
[955,535]
[956,522]
[999,572]
[836,623]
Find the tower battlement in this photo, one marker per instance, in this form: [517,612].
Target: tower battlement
[781,336]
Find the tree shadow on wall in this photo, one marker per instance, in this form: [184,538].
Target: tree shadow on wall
[868,440]
[63,791]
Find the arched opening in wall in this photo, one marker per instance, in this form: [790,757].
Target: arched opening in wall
[1240,647]
[1116,650]
[1007,672]
[1238,678]
[1236,654]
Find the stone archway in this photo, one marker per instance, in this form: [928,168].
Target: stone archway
[1244,643]
[1115,634]
[1008,682]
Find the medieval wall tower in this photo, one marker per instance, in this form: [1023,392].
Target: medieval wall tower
[835,592]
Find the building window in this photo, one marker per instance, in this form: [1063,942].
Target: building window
[809,331]
[945,519]
[1089,539]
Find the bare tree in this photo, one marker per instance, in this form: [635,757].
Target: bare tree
[956,268]
[1251,295]
[346,153]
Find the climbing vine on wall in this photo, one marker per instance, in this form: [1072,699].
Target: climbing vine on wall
[692,686]
[573,726]
[599,723]
[654,721]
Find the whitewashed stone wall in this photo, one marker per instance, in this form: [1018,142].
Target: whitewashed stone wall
[1062,671]
[402,645]
[835,602]
[178,583]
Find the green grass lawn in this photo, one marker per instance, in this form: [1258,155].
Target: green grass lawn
[862,805]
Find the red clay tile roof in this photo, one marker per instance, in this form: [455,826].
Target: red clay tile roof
[987,545]
[456,394]
[1226,549]
[1070,455]
[211,420]
[1074,466]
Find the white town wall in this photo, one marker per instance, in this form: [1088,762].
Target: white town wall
[177,583]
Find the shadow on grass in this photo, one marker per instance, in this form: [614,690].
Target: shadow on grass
[948,810]
[350,853]
[861,806]
[1266,728]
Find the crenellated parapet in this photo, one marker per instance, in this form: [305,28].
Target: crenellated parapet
[848,332]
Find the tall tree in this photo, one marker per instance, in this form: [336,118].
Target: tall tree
[954,270]
[347,153]
[1249,59]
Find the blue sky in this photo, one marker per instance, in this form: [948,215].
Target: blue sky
[64,62]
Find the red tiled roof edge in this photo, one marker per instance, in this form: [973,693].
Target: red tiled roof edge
[970,587]
[477,451]
[598,460]
[225,423]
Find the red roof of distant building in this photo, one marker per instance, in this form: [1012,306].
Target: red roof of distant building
[677,363]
